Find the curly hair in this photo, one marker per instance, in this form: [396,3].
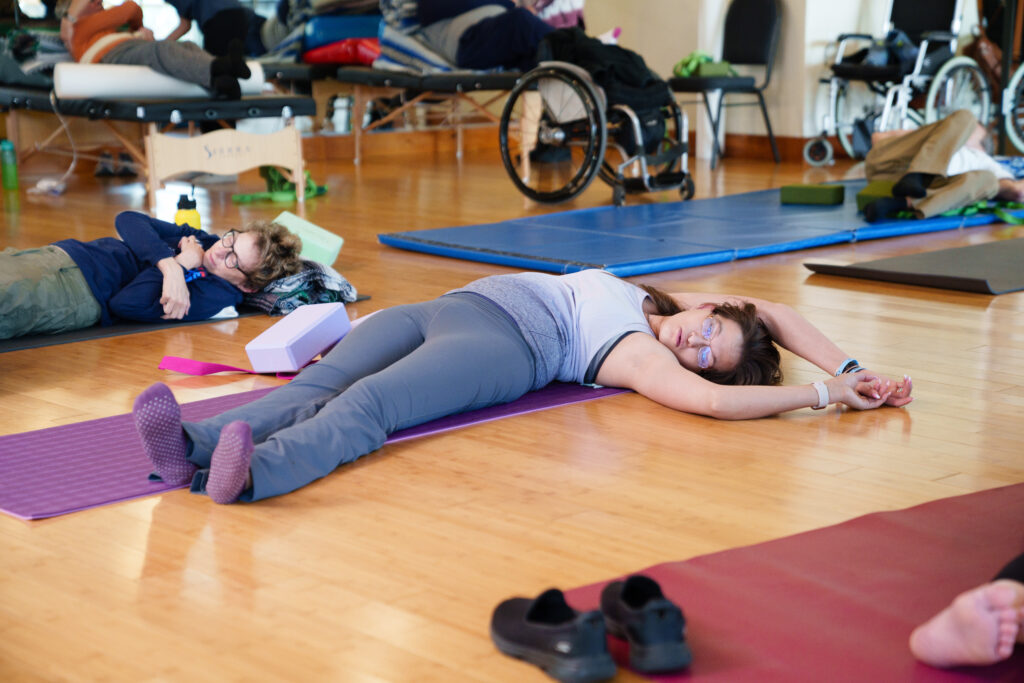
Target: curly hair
[279,253]
[760,362]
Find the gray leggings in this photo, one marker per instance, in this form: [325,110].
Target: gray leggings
[402,367]
[186,61]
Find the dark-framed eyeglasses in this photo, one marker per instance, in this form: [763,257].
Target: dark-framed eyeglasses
[232,260]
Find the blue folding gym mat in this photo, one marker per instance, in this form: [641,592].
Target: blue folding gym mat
[651,238]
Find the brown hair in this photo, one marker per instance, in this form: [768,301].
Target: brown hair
[279,253]
[759,362]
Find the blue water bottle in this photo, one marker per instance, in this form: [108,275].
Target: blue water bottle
[9,164]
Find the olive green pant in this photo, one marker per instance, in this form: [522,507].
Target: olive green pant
[42,291]
[928,150]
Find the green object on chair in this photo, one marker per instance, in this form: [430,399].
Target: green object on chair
[812,194]
[876,189]
[714,70]
[688,65]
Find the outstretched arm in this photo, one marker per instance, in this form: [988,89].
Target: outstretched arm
[795,333]
[788,328]
[641,363]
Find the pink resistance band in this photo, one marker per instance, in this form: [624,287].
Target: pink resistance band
[188,366]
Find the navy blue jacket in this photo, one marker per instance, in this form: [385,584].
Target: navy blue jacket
[123,276]
[429,11]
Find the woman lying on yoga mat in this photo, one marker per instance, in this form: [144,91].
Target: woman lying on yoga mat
[157,270]
[979,627]
[489,343]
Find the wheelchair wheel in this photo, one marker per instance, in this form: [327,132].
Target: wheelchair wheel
[845,108]
[818,152]
[552,134]
[1015,110]
[688,189]
[958,84]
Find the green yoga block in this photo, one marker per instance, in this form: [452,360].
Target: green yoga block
[317,244]
[876,189]
[812,194]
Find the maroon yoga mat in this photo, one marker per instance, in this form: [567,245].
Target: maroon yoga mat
[838,604]
[54,471]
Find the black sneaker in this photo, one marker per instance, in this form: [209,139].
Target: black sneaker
[569,646]
[125,165]
[105,166]
[636,610]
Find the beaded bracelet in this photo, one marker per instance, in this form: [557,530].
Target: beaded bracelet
[847,366]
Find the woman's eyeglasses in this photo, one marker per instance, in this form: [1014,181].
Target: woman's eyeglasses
[232,260]
[707,331]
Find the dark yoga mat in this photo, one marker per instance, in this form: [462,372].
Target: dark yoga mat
[115,330]
[100,331]
[990,268]
[838,604]
[54,471]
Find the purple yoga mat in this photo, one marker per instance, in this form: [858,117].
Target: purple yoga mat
[55,471]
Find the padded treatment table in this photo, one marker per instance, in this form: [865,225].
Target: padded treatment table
[366,84]
[164,155]
[314,80]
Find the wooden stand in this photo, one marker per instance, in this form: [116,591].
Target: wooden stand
[162,155]
[223,151]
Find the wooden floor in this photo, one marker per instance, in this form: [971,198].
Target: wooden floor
[388,569]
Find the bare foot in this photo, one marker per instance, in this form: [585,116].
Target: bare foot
[979,627]
[879,136]
[1010,190]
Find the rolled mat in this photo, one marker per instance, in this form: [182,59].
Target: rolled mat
[55,471]
[132,82]
[838,604]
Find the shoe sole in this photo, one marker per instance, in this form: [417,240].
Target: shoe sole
[564,669]
[659,657]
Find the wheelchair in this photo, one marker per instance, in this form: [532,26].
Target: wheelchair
[900,95]
[557,133]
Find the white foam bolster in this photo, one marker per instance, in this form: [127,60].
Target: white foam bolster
[293,341]
[131,82]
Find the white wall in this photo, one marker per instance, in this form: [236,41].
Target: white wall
[664,31]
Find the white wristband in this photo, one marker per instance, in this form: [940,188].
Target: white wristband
[822,395]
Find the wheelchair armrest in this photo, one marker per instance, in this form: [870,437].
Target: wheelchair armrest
[940,36]
[844,38]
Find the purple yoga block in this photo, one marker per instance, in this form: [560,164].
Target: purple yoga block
[296,339]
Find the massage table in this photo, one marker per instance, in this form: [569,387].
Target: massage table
[366,84]
[164,154]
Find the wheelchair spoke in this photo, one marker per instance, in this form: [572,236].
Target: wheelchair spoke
[552,135]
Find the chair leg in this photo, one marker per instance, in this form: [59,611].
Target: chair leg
[768,125]
[715,118]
